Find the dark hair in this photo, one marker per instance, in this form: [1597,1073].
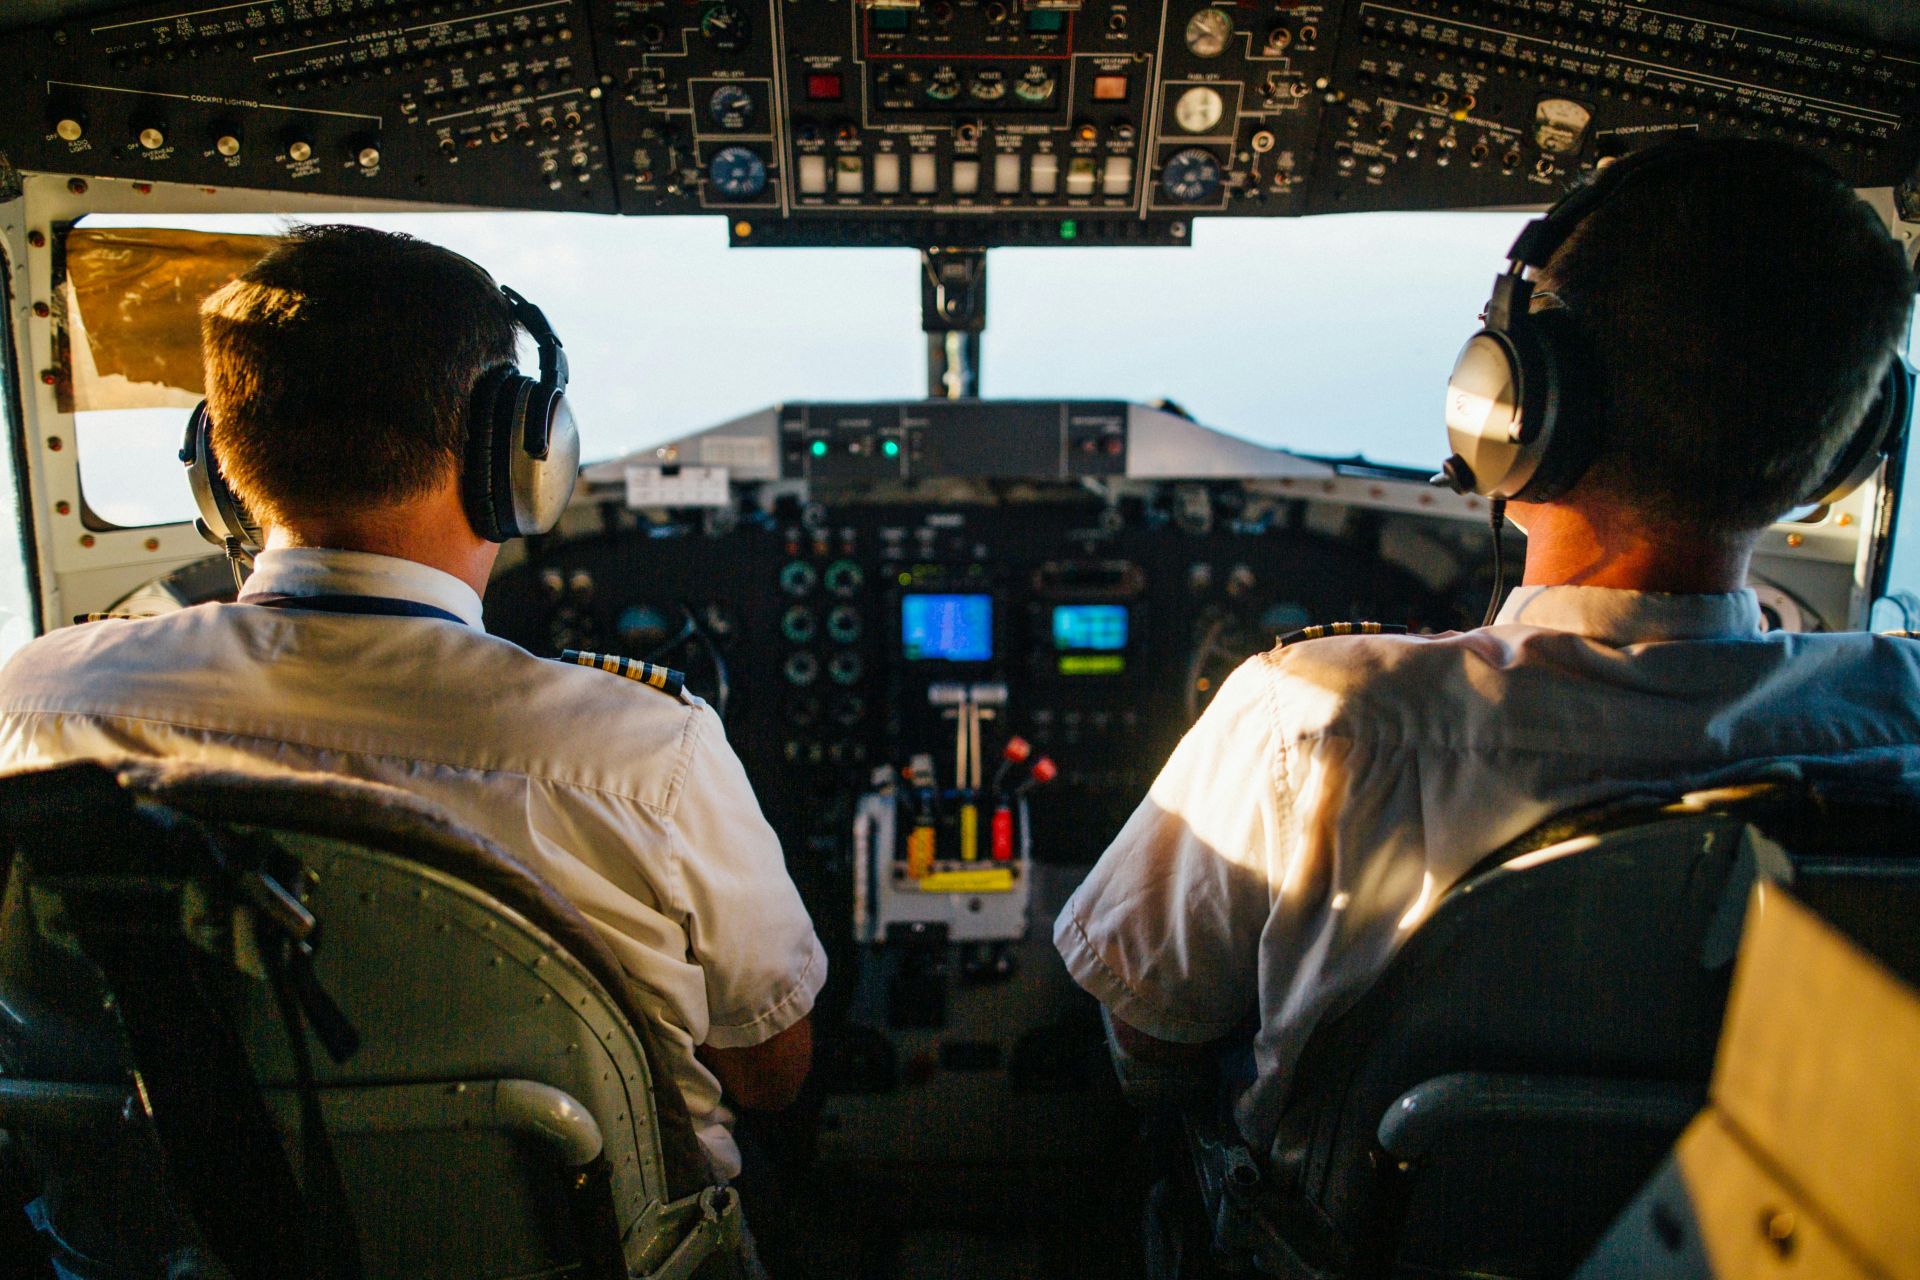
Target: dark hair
[1742,304]
[340,367]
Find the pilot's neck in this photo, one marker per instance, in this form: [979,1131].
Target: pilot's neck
[431,530]
[1575,546]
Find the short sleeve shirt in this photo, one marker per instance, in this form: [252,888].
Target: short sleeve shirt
[1335,787]
[626,800]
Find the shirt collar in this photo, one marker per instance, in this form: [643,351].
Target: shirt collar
[316,571]
[1617,617]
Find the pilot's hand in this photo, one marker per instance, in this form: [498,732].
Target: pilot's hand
[766,1076]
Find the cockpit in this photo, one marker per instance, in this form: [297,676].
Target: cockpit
[966,391]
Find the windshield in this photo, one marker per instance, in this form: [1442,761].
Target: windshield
[1324,335]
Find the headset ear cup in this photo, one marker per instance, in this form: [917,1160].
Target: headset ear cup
[1878,434]
[542,486]
[1566,396]
[222,515]
[478,489]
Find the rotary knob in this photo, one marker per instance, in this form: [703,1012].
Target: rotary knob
[150,133]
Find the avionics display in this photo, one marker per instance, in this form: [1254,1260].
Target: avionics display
[950,628]
[1098,627]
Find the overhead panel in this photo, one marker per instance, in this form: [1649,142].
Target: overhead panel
[926,122]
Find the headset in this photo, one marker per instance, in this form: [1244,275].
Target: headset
[522,456]
[1526,403]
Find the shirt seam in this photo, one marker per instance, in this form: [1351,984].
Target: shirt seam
[665,810]
[796,992]
[1084,945]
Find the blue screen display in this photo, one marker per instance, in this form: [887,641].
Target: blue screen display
[947,628]
[1098,627]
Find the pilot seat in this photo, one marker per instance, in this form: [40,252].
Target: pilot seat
[291,1025]
[1530,1055]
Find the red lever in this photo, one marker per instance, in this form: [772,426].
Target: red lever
[1003,834]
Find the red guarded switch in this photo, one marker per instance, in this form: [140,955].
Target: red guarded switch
[1002,833]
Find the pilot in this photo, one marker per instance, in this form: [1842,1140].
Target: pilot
[340,371]
[1741,309]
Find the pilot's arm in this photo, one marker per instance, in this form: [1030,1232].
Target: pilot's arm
[747,930]
[1166,930]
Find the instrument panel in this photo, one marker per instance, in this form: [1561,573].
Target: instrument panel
[932,122]
[1090,609]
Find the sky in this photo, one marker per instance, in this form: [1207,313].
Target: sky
[1326,335]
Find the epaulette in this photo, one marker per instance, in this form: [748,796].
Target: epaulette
[665,679]
[1902,635]
[80,618]
[1326,629]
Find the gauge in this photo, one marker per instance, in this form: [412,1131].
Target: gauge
[798,578]
[944,84]
[798,624]
[726,26]
[1036,84]
[1199,109]
[989,86]
[1208,32]
[737,173]
[1560,126]
[731,107]
[1192,176]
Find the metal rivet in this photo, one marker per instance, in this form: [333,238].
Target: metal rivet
[86,539]
[153,544]
[38,239]
[77,185]
[42,310]
[1796,539]
[63,507]
[1779,1227]
[55,444]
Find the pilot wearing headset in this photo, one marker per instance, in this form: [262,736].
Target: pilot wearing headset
[366,430]
[1702,339]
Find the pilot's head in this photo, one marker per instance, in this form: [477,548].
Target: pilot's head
[339,371]
[1742,306]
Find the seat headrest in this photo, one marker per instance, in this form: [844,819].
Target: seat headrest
[41,803]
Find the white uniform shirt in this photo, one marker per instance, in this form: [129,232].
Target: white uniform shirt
[1334,788]
[627,801]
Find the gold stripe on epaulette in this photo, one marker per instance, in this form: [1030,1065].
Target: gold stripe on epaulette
[80,618]
[1321,631]
[654,676]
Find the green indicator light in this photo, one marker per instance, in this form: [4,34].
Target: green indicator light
[906,579]
[891,448]
[819,448]
[1069,229]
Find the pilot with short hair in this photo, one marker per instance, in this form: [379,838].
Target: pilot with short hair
[1740,308]
[340,370]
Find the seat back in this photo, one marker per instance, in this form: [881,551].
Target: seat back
[1532,1051]
[506,1112]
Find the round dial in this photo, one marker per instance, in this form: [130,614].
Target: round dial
[1560,126]
[737,173]
[943,85]
[1036,84]
[726,26]
[731,107]
[989,85]
[1192,176]
[1199,109]
[1208,32]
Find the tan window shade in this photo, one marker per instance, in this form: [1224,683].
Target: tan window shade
[132,304]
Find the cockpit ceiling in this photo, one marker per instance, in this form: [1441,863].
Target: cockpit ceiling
[1877,20]
[969,123]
